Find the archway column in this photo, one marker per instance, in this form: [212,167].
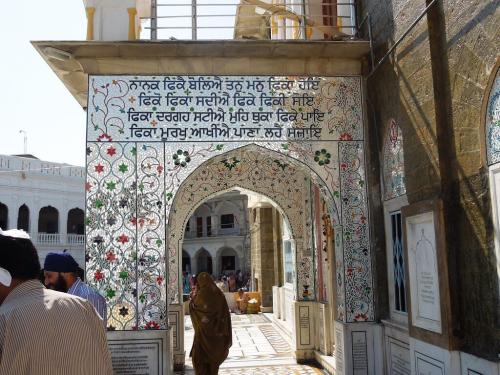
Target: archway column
[63,225]
[34,217]
[215,264]
[215,225]
[12,217]
[194,264]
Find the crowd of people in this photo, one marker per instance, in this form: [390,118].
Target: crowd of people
[55,304]
[227,281]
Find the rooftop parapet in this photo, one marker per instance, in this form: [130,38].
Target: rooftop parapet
[25,165]
[121,20]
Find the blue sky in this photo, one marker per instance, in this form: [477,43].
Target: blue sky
[32,98]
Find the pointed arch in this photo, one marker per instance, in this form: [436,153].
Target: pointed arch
[23,218]
[4,216]
[258,170]
[279,160]
[204,261]
[48,220]
[75,223]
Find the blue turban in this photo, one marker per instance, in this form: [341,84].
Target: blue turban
[60,262]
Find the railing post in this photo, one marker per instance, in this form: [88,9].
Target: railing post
[132,13]
[90,22]
[304,26]
[154,24]
[194,21]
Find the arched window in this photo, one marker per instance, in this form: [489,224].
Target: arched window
[393,162]
[23,218]
[204,261]
[228,260]
[493,122]
[48,220]
[4,216]
[75,221]
[186,262]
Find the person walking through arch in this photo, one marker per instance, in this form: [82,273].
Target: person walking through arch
[212,326]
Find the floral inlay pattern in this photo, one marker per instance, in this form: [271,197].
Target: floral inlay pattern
[393,164]
[493,123]
[148,136]
[111,233]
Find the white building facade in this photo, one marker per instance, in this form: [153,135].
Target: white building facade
[216,237]
[46,200]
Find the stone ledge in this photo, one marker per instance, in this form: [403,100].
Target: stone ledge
[228,57]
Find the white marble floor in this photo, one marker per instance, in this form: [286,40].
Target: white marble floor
[258,348]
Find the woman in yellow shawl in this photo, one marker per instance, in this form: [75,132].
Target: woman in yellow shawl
[212,326]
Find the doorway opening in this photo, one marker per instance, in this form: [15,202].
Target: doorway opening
[249,254]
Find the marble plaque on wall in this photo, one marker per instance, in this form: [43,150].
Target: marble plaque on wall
[359,353]
[140,352]
[399,357]
[423,272]
[425,365]
[339,348]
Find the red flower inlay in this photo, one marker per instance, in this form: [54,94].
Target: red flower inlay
[360,318]
[123,238]
[104,136]
[134,221]
[152,325]
[159,280]
[343,166]
[111,151]
[159,169]
[110,256]
[99,168]
[98,275]
[345,137]
[88,186]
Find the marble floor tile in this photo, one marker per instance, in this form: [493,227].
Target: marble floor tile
[258,348]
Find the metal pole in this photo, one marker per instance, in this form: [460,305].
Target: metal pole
[25,140]
[154,20]
[424,12]
[371,40]
[194,31]
[367,18]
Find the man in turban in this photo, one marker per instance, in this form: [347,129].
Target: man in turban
[75,340]
[61,274]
